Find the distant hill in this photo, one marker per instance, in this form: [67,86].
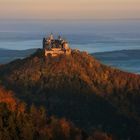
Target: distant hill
[118,55]
[127,60]
[9,55]
[79,88]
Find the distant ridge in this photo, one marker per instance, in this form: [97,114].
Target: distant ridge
[120,54]
[7,55]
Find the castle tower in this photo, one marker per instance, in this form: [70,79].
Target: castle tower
[59,38]
[51,37]
[44,43]
[66,45]
[47,42]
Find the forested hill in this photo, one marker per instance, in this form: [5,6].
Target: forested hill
[79,88]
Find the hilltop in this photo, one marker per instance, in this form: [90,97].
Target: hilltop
[117,59]
[79,88]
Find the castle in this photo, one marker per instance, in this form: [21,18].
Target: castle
[54,47]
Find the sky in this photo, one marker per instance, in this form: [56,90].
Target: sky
[70,16]
[69,9]
[32,19]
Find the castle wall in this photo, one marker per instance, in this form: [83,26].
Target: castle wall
[56,52]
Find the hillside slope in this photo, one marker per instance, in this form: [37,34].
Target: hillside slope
[22,123]
[79,88]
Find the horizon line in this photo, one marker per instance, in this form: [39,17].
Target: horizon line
[66,19]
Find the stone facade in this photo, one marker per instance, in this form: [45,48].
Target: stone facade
[54,47]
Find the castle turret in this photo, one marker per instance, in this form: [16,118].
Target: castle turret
[59,38]
[44,43]
[66,48]
[51,37]
[65,45]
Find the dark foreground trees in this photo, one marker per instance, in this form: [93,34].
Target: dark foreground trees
[36,125]
[17,122]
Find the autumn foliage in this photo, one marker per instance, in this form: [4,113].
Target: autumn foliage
[80,89]
[35,124]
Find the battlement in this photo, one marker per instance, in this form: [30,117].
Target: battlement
[54,47]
